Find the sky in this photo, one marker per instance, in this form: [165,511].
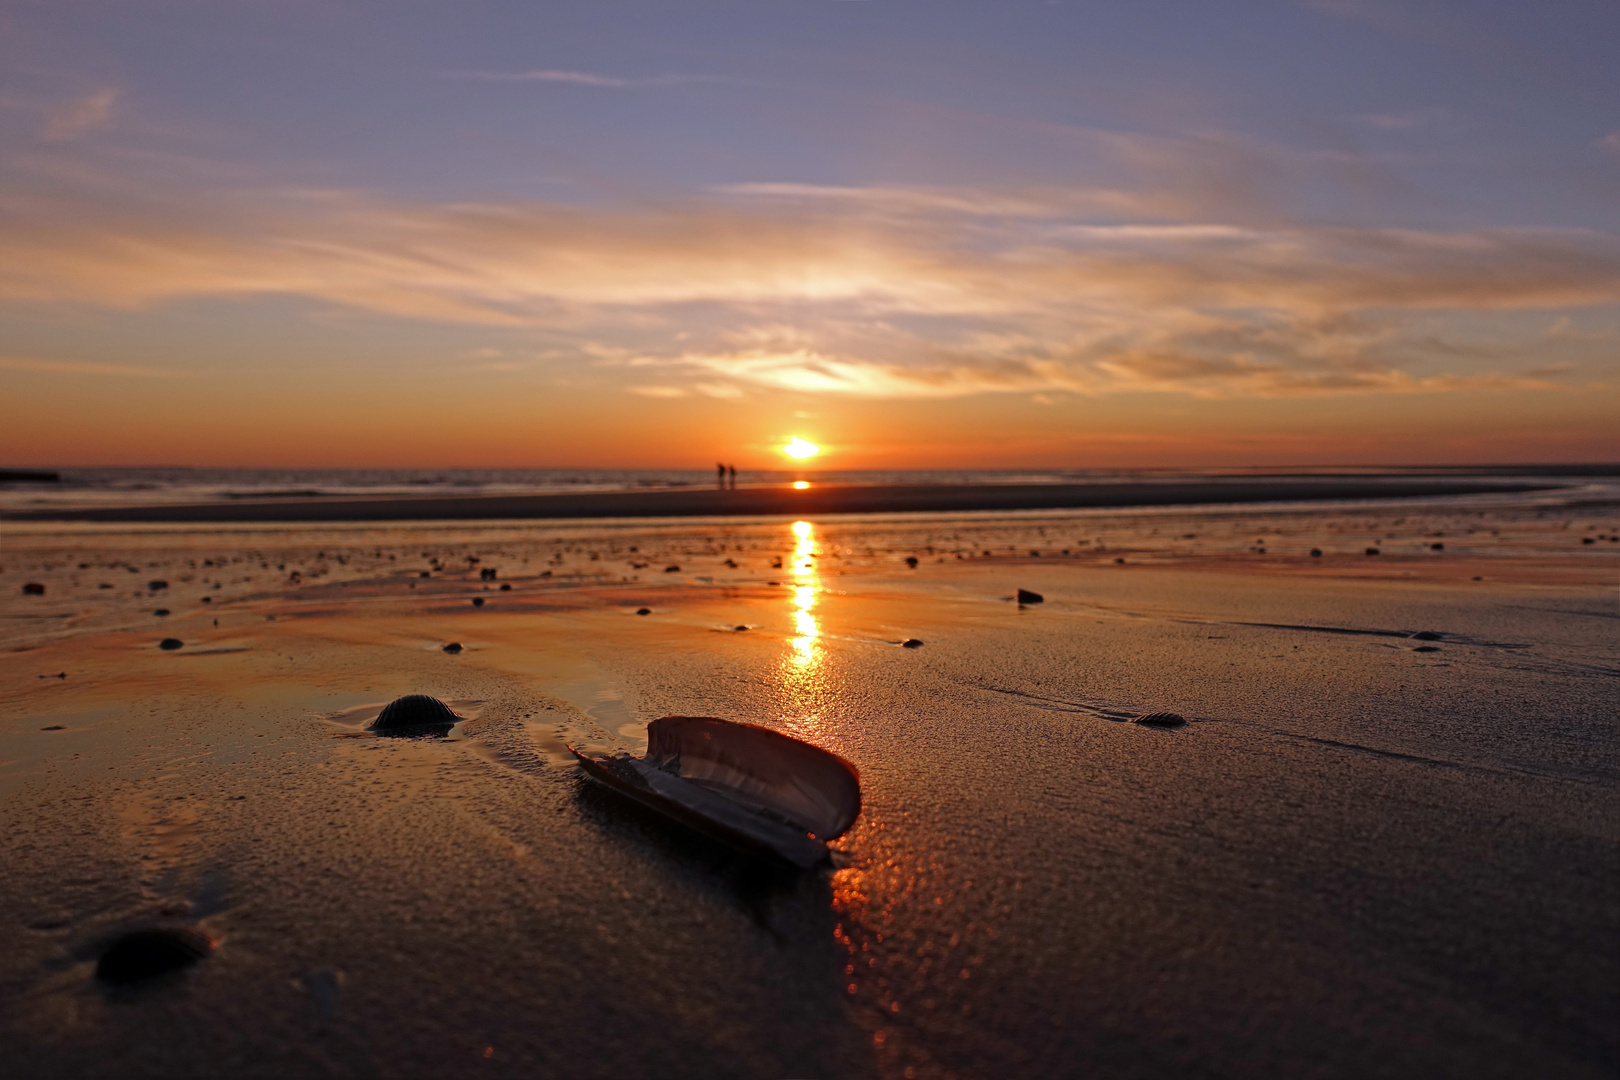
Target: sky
[921,235]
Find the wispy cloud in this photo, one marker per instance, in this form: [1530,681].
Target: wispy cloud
[1408,119]
[579,78]
[1611,142]
[84,367]
[80,116]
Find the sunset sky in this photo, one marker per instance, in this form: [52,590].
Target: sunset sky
[920,235]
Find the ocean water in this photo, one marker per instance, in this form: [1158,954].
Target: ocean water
[115,486]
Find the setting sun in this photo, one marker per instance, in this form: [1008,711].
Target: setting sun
[798,448]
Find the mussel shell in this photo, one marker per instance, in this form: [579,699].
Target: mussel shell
[1161,719]
[414,712]
[1027,597]
[146,954]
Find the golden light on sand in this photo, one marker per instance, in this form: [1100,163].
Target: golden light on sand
[802,529]
[801,485]
[800,449]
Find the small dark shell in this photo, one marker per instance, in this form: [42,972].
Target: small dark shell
[453,648]
[1372,551]
[145,954]
[414,712]
[156,585]
[911,643]
[672,569]
[644,611]
[160,612]
[739,628]
[169,644]
[506,586]
[1027,597]
[1316,553]
[1161,719]
[34,588]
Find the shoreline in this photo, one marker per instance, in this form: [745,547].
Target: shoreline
[786,500]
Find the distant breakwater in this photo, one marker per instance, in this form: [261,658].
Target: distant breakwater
[778,500]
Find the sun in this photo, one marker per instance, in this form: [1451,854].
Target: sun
[800,449]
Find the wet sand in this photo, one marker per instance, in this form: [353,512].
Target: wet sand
[817,499]
[1356,858]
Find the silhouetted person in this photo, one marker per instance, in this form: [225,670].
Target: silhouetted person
[719,476]
[732,469]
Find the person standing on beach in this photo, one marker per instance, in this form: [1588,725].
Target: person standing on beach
[720,476]
[732,469]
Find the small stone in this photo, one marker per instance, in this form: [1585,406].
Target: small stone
[169,644]
[672,569]
[643,611]
[453,648]
[1437,547]
[739,628]
[161,612]
[53,727]
[506,586]
[1587,540]
[1372,551]
[1027,597]
[208,600]
[911,643]
[1161,719]
[144,954]
[1316,553]
[911,561]
[1120,560]
[478,601]
[34,588]
[156,585]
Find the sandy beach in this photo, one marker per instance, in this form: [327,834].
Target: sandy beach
[1365,853]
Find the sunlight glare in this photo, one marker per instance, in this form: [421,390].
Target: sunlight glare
[798,448]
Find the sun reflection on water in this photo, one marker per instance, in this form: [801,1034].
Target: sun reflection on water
[805,589]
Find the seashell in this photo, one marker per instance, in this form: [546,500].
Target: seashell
[453,647]
[162,611]
[1316,553]
[145,954]
[414,714]
[169,644]
[1161,719]
[33,588]
[478,601]
[751,787]
[911,643]
[644,611]
[1027,597]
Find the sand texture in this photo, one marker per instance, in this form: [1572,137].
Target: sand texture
[1356,858]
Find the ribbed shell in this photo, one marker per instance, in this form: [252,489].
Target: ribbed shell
[414,711]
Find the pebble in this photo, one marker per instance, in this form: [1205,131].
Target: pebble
[911,561]
[506,587]
[911,643]
[1316,553]
[453,648]
[33,588]
[1372,551]
[144,954]
[739,627]
[1027,597]
[478,601]
[169,644]
[160,612]
[156,585]
[672,569]
[643,611]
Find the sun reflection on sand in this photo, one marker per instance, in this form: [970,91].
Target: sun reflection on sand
[805,650]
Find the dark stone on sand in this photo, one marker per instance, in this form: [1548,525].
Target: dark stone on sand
[739,628]
[672,569]
[488,573]
[1316,553]
[1425,635]
[1161,719]
[414,712]
[506,587]
[911,561]
[478,601]
[1587,540]
[1027,597]
[911,643]
[208,599]
[1372,551]
[643,611]
[1437,547]
[54,727]
[1427,648]
[169,644]
[1120,560]
[161,612]
[34,588]
[155,585]
[146,954]
[453,648]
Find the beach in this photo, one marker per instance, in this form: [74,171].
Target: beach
[1364,853]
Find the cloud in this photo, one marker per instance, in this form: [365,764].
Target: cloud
[1405,121]
[84,367]
[1611,142]
[579,78]
[80,116]
[806,289]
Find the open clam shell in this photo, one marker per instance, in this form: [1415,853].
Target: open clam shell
[748,786]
